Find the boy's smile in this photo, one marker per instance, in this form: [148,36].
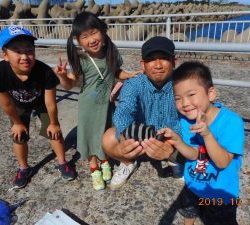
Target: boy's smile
[191,96]
[21,56]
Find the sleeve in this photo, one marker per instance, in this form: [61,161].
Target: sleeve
[232,135]
[51,80]
[125,112]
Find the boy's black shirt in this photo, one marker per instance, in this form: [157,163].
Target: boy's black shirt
[29,93]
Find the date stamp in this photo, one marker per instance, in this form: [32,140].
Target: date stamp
[220,201]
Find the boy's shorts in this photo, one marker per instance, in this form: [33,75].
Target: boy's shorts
[25,114]
[209,214]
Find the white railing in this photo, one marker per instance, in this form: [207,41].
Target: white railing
[194,27]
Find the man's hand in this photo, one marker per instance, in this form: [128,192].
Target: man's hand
[129,149]
[17,130]
[54,131]
[157,149]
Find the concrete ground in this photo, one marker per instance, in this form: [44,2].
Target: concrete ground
[148,197]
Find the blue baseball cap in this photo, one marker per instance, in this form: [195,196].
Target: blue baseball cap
[11,32]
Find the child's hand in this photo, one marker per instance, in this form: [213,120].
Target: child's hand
[134,73]
[123,75]
[61,69]
[171,137]
[54,132]
[17,130]
[201,125]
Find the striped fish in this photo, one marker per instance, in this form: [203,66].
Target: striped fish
[140,131]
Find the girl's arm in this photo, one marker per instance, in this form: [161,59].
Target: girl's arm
[123,75]
[67,80]
[175,140]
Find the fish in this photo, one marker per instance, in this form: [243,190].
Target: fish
[141,131]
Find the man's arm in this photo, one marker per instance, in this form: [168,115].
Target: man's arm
[9,108]
[53,130]
[125,112]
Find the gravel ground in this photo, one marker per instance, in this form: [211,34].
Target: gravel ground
[148,198]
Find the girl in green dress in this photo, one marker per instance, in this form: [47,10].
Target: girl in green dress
[98,63]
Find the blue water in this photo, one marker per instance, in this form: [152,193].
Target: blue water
[216,30]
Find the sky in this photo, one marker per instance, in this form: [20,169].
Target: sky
[247,2]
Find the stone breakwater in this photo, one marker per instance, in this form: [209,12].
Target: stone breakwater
[130,28]
[147,198]
[18,10]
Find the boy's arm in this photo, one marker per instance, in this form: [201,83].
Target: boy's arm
[9,108]
[216,152]
[53,130]
[176,141]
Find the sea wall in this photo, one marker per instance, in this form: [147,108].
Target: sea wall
[18,10]
[128,8]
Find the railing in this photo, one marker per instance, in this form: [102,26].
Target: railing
[194,27]
[199,33]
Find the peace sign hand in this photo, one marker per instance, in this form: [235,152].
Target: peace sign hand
[201,125]
[61,68]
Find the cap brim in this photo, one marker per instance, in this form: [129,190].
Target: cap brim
[165,53]
[21,35]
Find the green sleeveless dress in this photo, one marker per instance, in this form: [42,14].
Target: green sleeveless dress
[94,107]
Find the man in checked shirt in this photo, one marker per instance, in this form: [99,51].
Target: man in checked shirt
[147,98]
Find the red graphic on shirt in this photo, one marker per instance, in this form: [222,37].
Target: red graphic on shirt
[202,161]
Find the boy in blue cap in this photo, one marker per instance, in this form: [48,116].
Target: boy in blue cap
[27,84]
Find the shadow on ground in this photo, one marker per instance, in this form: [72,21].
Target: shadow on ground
[70,142]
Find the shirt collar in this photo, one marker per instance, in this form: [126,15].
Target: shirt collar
[166,88]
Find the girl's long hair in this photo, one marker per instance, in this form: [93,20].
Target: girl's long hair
[83,22]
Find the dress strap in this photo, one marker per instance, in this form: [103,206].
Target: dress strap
[93,61]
